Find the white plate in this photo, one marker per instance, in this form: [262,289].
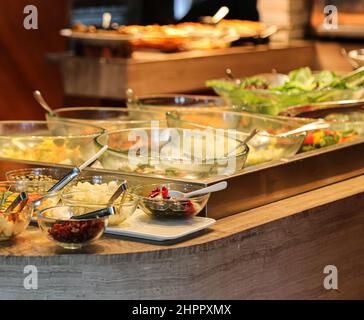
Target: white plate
[96,38]
[143,226]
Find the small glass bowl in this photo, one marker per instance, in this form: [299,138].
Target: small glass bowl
[34,189]
[92,200]
[107,117]
[51,175]
[13,223]
[170,208]
[68,233]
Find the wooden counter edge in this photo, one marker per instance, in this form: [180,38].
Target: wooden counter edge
[33,244]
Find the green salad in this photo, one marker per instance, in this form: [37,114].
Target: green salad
[302,86]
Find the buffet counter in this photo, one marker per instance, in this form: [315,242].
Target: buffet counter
[157,72]
[275,251]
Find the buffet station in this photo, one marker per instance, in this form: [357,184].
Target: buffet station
[161,59]
[145,199]
[235,169]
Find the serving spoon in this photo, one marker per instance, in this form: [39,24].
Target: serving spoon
[307,127]
[77,170]
[215,187]
[39,98]
[217,17]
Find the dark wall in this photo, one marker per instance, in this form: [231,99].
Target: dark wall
[22,64]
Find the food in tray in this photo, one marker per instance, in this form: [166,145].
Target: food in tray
[324,138]
[182,36]
[259,155]
[92,196]
[262,148]
[156,201]
[245,28]
[47,150]
[61,142]
[256,94]
[345,119]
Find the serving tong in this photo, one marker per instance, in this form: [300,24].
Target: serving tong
[21,200]
[110,209]
[76,171]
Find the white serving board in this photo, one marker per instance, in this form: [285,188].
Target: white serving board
[142,226]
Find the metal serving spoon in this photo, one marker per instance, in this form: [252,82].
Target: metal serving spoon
[39,98]
[307,127]
[215,187]
[76,171]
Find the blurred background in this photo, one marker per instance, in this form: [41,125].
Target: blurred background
[30,59]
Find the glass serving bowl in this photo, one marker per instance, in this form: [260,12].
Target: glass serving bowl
[93,193]
[273,102]
[107,117]
[61,142]
[345,119]
[15,222]
[68,233]
[175,152]
[262,148]
[170,208]
[168,102]
[51,175]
